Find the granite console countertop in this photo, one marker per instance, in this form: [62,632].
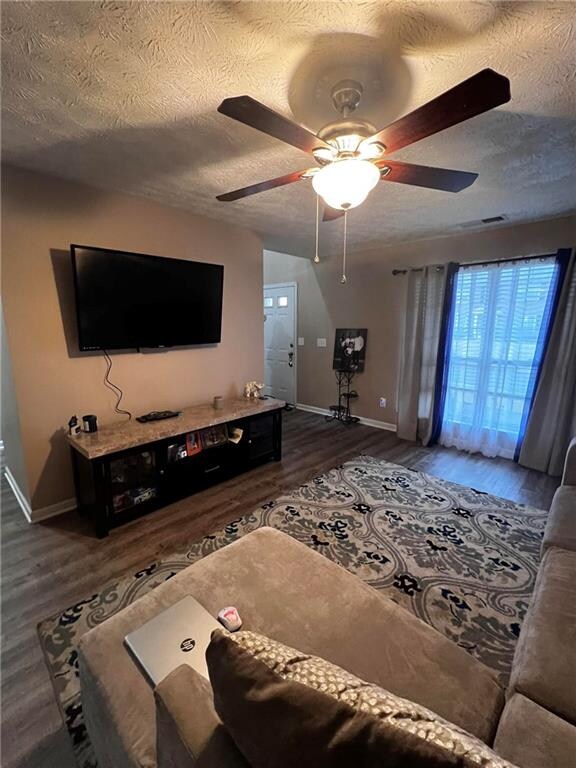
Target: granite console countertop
[119,437]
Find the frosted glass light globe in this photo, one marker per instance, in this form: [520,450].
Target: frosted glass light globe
[345,184]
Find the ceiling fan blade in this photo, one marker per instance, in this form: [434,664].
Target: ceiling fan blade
[480,93]
[251,112]
[425,176]
[253,189]
[331,213]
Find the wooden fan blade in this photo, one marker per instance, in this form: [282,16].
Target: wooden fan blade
[253,189]
[251,112]
[426,176]
[481,92]
[331,213]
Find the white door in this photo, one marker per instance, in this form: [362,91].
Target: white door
[280,341]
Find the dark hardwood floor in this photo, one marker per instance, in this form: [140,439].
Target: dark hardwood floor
[49,566]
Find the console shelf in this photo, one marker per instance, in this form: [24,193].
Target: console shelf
[127,470]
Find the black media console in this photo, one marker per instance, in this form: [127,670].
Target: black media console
[122,472]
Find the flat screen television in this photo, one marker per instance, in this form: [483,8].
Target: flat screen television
[131,300]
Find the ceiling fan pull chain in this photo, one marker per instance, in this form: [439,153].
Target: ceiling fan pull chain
[316,256]
[343,278]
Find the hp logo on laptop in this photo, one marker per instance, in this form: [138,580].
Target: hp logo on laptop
[187,645]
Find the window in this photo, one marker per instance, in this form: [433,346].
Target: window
[282,301]
[500,316]
[268,302]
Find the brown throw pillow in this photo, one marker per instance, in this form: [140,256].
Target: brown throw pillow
[284,708]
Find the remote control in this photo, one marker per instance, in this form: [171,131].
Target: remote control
[230,618]
[157,416]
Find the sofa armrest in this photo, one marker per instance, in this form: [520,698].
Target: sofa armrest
[569,476]
[189,733]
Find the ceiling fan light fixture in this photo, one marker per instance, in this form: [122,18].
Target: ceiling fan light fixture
[349,142]
[346,183]
[371,150]
[325,155]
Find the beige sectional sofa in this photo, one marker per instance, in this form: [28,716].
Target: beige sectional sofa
[538,725]
[287,591]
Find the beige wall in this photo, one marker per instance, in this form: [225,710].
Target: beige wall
[41,216]
[10,422]
[373,298]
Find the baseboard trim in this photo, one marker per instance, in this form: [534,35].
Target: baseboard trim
[388,426]
[363,420]
[312,409]
[23,502]
[36,515]
[52,510]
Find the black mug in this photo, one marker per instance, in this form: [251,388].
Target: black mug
[90,424]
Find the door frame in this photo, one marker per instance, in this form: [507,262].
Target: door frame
[294,285]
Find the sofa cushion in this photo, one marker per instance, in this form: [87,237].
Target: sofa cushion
[284,708]
[285,589]
[544,667]
[533,737]
[560,528]
[569,474]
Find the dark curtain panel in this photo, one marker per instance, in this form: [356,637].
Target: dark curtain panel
[443,352]
[562,262]
[552,420]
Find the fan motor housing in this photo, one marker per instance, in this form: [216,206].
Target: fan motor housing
[333,131]
[346,137]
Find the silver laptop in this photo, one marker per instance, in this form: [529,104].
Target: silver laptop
[178,635]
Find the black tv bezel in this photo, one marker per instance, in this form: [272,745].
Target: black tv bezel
[84,348]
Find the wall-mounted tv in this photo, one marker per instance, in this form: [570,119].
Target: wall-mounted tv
[131,300]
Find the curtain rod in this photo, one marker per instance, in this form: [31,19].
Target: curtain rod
[476,263]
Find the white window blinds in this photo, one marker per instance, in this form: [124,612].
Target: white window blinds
[498,323]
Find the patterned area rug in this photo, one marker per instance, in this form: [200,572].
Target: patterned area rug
[462,560]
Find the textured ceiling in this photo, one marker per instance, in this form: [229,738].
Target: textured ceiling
[124,95]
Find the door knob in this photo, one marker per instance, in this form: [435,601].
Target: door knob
[291,358]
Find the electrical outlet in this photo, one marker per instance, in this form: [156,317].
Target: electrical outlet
[320,342]
[300,341]
[382,402]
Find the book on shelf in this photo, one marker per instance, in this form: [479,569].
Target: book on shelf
[193,443]
[235,434]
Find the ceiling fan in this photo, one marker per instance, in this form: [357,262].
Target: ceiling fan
[352,156]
